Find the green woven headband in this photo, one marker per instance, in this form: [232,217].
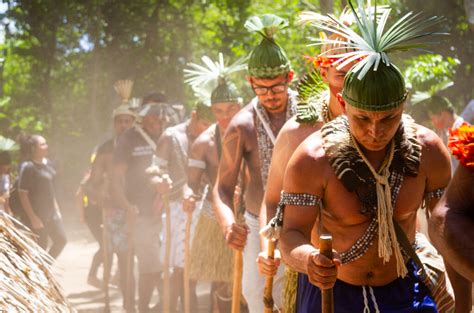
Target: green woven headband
[269,72]
[375,108]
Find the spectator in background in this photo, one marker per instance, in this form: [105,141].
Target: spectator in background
[37,196]
[468,112]
[443,117]
[5,166]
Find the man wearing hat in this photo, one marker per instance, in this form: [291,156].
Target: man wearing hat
[97,188]
[317,105]
[362,177]
[134,193]
[250,137]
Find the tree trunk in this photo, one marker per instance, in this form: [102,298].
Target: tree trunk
[326,6]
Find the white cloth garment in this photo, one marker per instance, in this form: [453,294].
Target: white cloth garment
[252,281]
[178,232]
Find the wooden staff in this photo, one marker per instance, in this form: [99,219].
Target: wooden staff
[130,250]
[268,291]
[166,263]
[327,297]
[187,238]
[237,288]
[238,255]
[238,264]
[105,258]
[187,251]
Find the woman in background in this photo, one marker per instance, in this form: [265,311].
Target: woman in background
[37,196]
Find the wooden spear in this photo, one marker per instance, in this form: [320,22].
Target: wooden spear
[238,258]
[268,291]
[327,297]
[187,251]
[166,263]
[105,258]
[187,238]
[237,288]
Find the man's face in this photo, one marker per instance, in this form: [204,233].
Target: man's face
[40,148]
[223,112]
[123,122]
[335,78]
[152,123]
[272,92]
[373,130]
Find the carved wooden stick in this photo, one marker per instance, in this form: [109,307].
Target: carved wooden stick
[105,255]
[327,297]
[268,291]
[166,265]
[187,243]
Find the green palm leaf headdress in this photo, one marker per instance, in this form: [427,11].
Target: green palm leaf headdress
[210,82]
[311,92]
[375,84]
[267,59]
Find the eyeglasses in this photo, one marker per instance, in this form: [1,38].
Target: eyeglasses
[278,88]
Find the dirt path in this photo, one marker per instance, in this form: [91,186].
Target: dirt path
[73,265]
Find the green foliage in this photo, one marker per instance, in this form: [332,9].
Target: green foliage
[426,70]
[60,58]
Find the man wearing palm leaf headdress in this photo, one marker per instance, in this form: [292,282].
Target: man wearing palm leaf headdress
[250,138]
[377,169]
[172,157]
[211,258]
[317,105]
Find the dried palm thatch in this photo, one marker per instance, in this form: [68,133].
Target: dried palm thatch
[26,284]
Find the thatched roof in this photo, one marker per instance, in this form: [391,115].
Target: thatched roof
[26,280]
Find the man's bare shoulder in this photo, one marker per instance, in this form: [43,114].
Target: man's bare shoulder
[243,120]
[290,137]
[432,145]
[308,159]
[435,159]
[295,131]
[206,138]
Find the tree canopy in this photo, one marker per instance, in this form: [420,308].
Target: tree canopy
[60,58]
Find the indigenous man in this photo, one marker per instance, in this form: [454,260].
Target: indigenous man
[134,193]
[363,177]
[250,137]
[98,191]
[451,225]
[315,107]
[211,258]
[172,157]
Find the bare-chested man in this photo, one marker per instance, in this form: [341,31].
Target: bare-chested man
[250,137]
[451,226]
[363,177]
[172,153]
[211,258]
[314,109]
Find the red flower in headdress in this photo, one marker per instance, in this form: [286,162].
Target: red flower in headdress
[461,143]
